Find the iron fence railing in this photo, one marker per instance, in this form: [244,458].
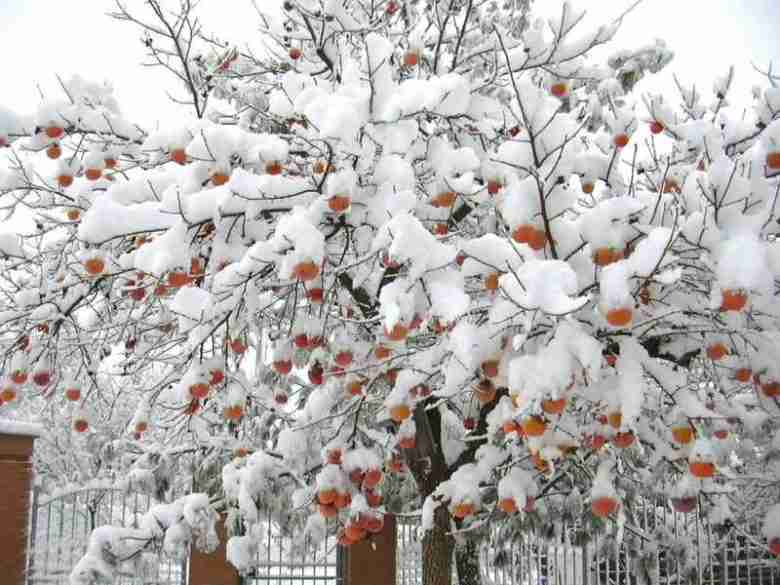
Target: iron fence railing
[286,558]
[665,548]
[59,533]
[659,546]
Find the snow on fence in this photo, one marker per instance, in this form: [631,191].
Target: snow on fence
[60,529]
[283,560]
[692,552]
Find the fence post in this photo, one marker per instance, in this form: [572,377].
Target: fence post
[372,561]
[213,568]
[15,487]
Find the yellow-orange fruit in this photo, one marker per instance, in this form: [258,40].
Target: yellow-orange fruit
[682,434]
[619,317]
[400,412]
[701,469]
[604,506]
[306,271]
[534,426]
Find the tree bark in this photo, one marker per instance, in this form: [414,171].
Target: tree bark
[467,562]
[437,551]
[429,468]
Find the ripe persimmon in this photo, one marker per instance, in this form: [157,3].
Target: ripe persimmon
[773,160]
[701,469]
[743,375]
[441,229]
[620,140]
[656,127]
[54,132]
[306,271]
[733,300]
[533,426]
[95,265]
[604,506]
[178,155]
[507,505]
[400,412]
[623,440]
[54,151]
[8,394]
[65,181]
[397,333]
[233,412]
[344,358]
[410,59]
[619,317]
[553,406]
[327,496]
[282,367]
[559,89]
[178,278]
[218,179]
[607,255]
[463,510]
[372,478]
[444,199]
[717,351]
[199,390]
[339,203]
[682,434]
[382,352]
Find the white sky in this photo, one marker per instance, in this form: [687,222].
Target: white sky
[40,38]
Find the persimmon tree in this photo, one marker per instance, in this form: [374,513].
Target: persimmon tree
[401,256]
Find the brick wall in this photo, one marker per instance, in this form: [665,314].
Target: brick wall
[213,568]
[15,487]
[372,561]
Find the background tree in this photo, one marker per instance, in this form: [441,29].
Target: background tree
[401,254]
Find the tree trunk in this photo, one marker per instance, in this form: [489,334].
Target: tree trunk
[467,562]
[437,551]
[427,464]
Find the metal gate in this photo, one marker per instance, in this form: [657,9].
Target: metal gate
[658,546]
[284,557]
[59,532]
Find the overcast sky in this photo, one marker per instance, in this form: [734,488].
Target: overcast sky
[41,38]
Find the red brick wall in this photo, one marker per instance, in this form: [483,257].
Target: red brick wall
[213,568]
[372,561]
[15,486]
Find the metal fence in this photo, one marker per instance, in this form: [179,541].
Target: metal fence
[658,546]
[286,558]
[60,529]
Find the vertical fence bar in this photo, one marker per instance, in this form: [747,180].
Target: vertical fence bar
[33,534]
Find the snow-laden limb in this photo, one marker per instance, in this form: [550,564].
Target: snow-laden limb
[400,259]
[173,528]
